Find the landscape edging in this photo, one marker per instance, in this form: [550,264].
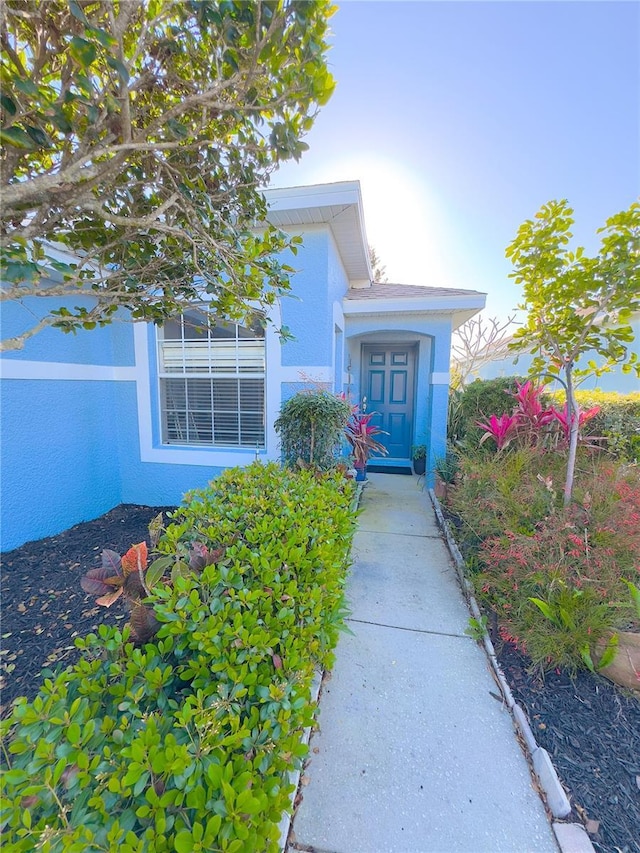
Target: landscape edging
[571,837]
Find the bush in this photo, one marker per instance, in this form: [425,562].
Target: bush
[186,743]
[311,426]
[474,402]
[559,588]
[618,421]
[506,491]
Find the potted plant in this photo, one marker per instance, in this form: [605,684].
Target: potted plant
[419,456]
[446,469]
[360,433]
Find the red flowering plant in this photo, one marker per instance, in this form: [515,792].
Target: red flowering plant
[558,591]
[360,433]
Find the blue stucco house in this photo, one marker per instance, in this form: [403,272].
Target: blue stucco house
[132,413]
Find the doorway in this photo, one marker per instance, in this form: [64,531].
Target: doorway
[388,384]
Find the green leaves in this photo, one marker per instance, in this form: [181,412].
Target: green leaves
[186,742]
[178,83]
[576,304]
[83,51]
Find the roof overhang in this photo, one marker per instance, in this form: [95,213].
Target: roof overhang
[460,307]
[337,205]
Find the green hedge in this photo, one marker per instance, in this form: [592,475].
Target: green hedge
[618,420]
[475,402]
[186,744]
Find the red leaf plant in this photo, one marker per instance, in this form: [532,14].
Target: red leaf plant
[565,421]
[500,428]
[360,433]
[128,576]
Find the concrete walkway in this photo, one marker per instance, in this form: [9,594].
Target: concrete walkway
[414,753]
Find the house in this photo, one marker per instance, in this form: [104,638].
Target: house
[131,413]
[491,365]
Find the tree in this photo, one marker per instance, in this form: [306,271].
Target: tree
[479,341]
[378,269]
[577,304]
[136,135]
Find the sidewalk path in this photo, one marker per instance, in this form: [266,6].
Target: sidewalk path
[414,753]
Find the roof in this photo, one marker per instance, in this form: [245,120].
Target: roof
[338,205]
[407,291]
[461,305]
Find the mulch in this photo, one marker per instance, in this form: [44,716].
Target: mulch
[590,728]
[43,606]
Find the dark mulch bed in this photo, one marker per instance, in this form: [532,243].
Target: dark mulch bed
[43,605]
[590,728]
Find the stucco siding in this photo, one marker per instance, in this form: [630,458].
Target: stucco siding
[308,312]
[109,345]
[59,456]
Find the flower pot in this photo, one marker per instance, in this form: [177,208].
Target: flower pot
[420,465]
[625,667]
[441,489]
[361,475]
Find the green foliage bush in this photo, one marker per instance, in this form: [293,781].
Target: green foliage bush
[186,743]
[311,427]
[523,545]
[618,421]
[474,402]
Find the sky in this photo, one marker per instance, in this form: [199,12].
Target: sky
[461,119]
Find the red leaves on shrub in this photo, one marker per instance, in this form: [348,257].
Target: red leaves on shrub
[135,560]
[500,429]
[107,581]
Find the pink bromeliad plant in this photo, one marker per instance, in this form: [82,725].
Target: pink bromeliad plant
[529,407]
[530,421]
[360,433]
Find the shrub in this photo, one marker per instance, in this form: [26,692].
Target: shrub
[311,425]
[560,587]
[186,743]
[475,401]
[617,421]
[508,491]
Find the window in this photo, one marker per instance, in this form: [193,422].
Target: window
[211,382]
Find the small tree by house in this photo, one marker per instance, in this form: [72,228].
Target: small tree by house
[576,304]
[136,137]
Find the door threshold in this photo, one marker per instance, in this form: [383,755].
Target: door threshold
[390,466]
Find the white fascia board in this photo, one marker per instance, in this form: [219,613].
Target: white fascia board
[439,304]
[344,193]
[315,195]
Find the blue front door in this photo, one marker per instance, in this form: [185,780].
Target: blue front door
[388,385]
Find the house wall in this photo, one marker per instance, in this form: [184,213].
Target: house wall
[80,416]
[59,437]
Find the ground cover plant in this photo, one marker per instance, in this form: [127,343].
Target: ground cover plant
[185,742]
[559,588]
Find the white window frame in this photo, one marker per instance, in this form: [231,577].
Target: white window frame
[202,358]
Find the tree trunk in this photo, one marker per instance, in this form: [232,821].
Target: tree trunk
[573,414]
